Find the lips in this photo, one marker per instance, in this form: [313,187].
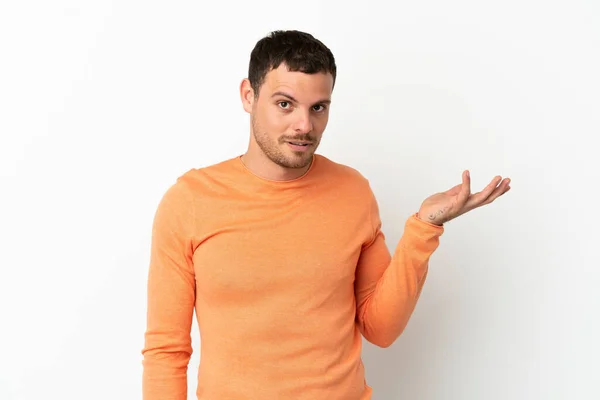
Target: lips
[300,146]
[300,143]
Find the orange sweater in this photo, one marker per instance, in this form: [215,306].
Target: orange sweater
[284,278]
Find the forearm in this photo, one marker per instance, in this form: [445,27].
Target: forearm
[167,350]
[165,369]
[389,294]
[170,300]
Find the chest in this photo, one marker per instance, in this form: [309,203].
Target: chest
[257,250]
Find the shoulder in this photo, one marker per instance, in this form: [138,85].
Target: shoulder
[203,180]
[191,192]
[342,173]
[186,186]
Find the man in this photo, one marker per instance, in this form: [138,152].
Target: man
[280,252]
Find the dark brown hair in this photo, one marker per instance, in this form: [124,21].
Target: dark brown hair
[300,51]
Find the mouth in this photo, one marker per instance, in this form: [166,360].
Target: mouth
[300,146]
[300,143]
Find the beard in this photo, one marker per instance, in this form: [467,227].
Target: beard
[276,149]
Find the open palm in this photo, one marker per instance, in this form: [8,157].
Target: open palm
[445,206]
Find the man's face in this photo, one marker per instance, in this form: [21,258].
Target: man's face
[290,114]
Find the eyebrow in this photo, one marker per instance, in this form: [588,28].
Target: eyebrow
[324,101]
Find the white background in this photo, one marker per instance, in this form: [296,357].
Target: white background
[104,103]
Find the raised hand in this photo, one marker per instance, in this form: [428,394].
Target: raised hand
[445,206]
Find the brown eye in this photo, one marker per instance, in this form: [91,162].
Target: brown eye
[316,108]
[284,104]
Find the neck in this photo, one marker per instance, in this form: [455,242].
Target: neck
[262,166]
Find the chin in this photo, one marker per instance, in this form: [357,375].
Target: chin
[299,162]
[293,162]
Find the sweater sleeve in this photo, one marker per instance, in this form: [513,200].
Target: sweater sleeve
[170,298]
[388,286]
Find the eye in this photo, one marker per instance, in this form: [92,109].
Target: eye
[319,107]
[284,104]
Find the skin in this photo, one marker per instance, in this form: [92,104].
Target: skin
[290,106]
[445,206]
[294,106]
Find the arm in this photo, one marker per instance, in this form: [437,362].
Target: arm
[388,286]
[171,298]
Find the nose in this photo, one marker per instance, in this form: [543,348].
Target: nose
[303,123]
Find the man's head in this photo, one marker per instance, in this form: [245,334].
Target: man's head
[287,93]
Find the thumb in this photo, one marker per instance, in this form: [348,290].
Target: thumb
[465,189]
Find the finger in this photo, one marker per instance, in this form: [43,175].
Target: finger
[465,189]
[480,197]
[491,192]
[499,191]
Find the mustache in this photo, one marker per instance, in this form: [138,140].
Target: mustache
[302,138]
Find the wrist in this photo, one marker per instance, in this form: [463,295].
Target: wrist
[428,220]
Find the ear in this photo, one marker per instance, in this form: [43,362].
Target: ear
[247,95]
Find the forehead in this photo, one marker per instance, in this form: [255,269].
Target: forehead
[302,86]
